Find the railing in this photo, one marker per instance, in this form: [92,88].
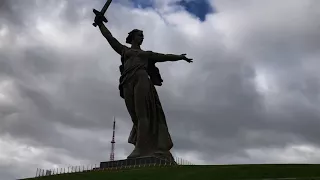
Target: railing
[75,169]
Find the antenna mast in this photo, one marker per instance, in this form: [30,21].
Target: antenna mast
[113,141]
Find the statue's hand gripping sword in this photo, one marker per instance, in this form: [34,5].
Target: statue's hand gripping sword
[102,12]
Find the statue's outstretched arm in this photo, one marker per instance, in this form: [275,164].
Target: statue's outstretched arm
[114,43]
[159,57]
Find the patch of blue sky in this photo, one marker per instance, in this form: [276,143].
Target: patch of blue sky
[198,8]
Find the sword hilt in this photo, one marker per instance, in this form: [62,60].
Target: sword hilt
[98,13]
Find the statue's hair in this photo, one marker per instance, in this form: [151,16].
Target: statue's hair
[131,35]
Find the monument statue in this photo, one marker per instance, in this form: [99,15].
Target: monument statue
[139,75]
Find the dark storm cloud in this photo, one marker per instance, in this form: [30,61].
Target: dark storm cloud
[230,105]
[37,110]
[89,96]
[233,108]
[8,14]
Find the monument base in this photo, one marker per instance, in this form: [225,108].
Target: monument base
[136,162]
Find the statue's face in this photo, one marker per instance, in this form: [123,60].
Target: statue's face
[138,37]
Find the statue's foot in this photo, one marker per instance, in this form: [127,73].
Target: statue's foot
[134,154]
[165,155]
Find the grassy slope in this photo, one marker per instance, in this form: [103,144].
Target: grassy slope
[219,172]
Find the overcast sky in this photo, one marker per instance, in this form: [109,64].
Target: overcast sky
[252,94]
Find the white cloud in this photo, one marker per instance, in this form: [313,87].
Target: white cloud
[291,154]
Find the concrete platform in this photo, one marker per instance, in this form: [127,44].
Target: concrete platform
[137,162]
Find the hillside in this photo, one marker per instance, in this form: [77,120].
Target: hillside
[219,172]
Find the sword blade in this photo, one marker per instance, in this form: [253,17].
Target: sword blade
[105,7]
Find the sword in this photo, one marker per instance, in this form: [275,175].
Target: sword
[102,12]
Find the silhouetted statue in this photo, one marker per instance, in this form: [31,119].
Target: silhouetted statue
[149,133]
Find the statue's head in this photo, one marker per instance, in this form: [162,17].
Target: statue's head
[135,37]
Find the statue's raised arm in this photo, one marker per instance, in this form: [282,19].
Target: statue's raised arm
[114,43]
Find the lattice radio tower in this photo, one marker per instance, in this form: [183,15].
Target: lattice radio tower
[113,141]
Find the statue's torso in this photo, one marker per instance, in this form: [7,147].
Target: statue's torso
[135,58]
[135,63]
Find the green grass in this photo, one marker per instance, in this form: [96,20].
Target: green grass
[218,172]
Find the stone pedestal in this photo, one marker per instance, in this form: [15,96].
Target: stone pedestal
[136,162]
